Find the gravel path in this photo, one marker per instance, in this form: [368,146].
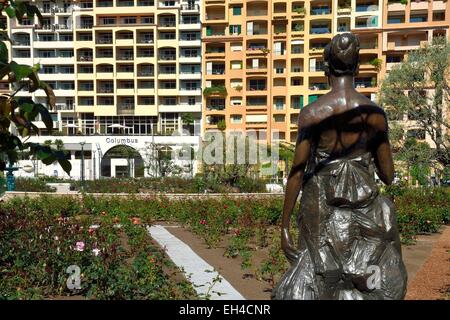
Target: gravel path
[432,281]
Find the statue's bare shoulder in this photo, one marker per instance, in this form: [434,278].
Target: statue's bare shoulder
[334,103]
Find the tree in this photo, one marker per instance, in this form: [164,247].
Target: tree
[18,113]
[406,90]
[417,157]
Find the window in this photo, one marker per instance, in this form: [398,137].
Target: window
[297,102]
[235,29]
[278,118]
[191,85]
[236,65]
[191,53]
[168,85]
[48,69]
[108,20]
[191,101]
[237,11]
[66,85]
[169,101]
[147,20]
[279,103]
[129,20]
[66,69]
[66,53]
[236,118]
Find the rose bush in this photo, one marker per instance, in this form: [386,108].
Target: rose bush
[38,239]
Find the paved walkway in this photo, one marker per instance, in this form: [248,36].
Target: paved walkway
[202,275]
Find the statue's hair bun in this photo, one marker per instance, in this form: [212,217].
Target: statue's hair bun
[341,55]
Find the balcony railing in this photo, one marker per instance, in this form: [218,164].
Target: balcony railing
[190,7]
[106,90]
[167,24]
[125,57]
[217,71]
[64,106]
[145,73]
[215,107]
[86,25]
[167,57]
[21,42]
[257,88]
[104,41]
[145,40]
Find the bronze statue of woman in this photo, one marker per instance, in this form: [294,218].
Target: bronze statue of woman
[348,246]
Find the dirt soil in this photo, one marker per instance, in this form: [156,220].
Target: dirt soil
[230,268]
[432,280]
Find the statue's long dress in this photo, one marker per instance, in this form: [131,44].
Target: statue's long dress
[347,229]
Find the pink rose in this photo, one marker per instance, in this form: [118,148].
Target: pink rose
[79,246]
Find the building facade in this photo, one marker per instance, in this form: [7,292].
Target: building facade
[129,68]
[263,60]
[149,69]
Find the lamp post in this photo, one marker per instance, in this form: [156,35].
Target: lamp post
[82,164]
[93,163]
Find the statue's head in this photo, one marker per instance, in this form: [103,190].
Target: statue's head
[341,55]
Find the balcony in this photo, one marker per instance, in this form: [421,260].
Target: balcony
[361,83]
[121,3]
[104,41]
[190,7]
[167,57]
[319,86]
[21,42]
[85,58]
[126,57]
[125,109]
[320,11]
[366,7]
[217,71]
[145,73]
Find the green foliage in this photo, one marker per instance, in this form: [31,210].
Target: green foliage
[417,156]
[221,125]
[32,185]
[21,112]
[129,266]
[376,62]
[215,90]
[39,241]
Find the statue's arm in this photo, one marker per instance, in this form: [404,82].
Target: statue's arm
[293,186]
[381,148]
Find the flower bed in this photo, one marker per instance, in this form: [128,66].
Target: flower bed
[32,185]
[241,225]
[146,185]
[40,239]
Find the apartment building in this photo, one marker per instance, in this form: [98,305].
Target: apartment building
[408,26]
[263,60]
[119,69]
